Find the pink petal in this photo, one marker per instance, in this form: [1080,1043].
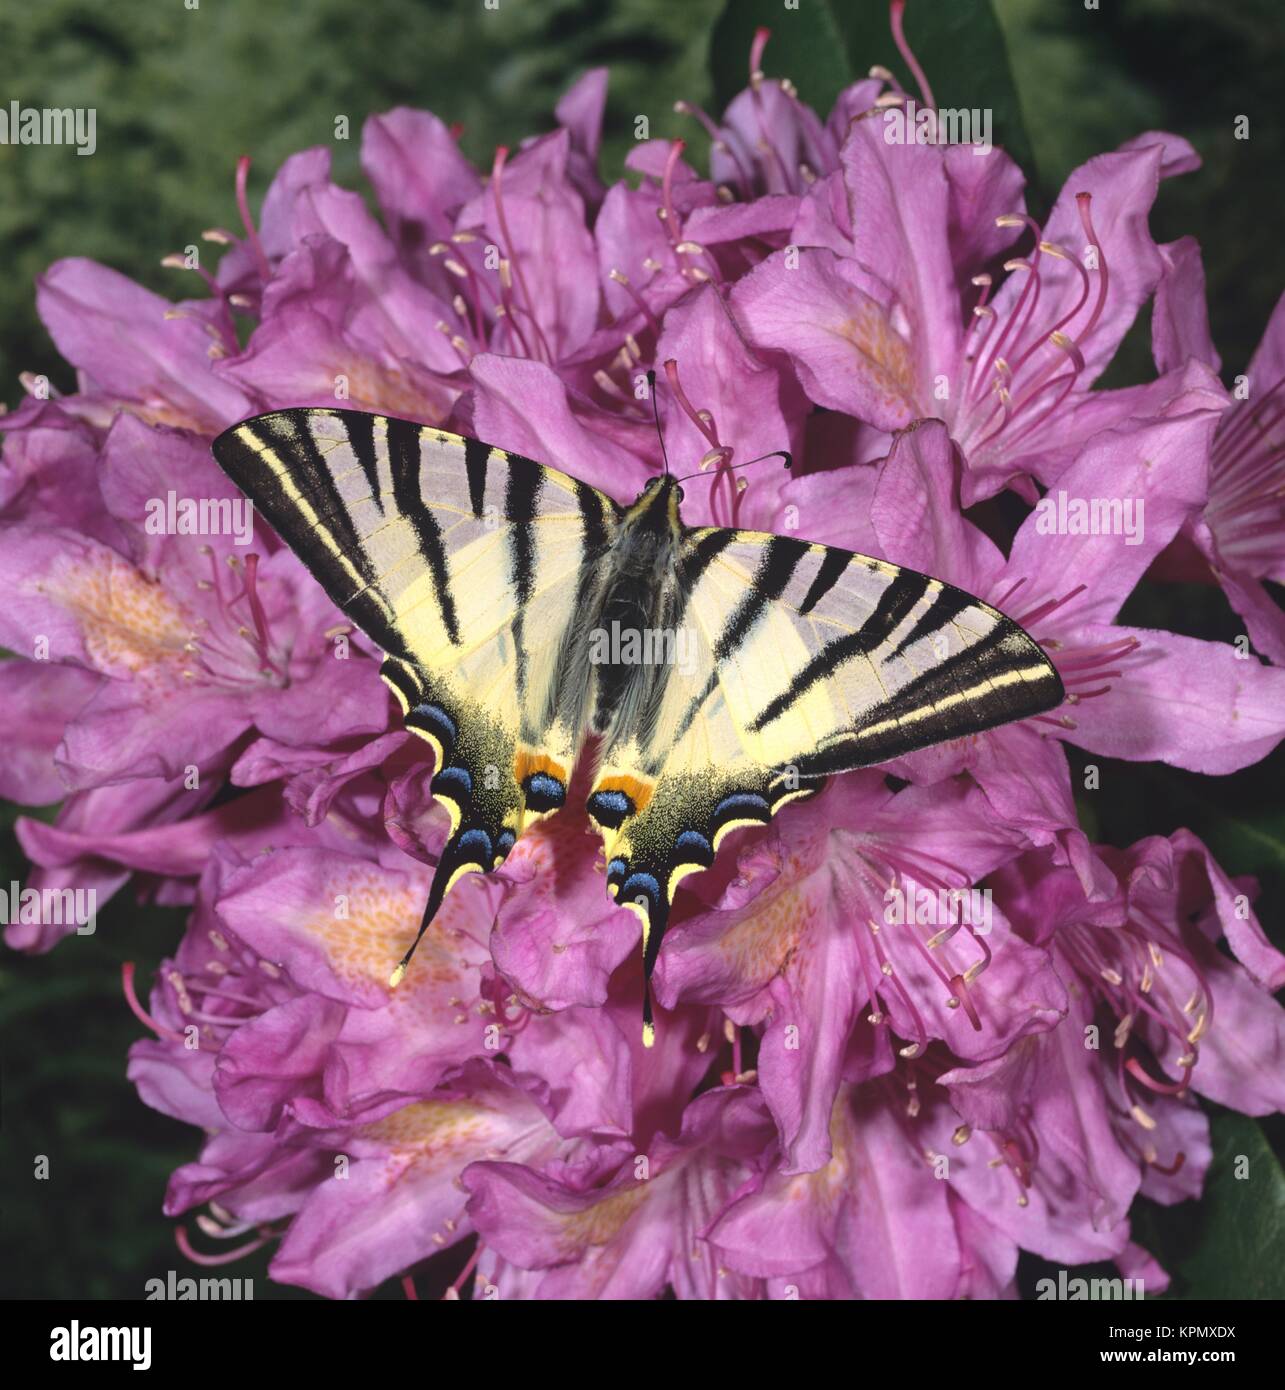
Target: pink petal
[1159,468]
[834,321]
[1192,704]
[118,334]
[877,1216]
[268,1061]
[1122,187]
[1180,317]
[419,176]
[1185,390]
[544,236]
[901,209]
[560,937]
[754,412]
[580,110]
[1267,366]
[524,407]
[983,186]
[39,699]
[916,512]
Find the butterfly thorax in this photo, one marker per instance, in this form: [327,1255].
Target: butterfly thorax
[633,602]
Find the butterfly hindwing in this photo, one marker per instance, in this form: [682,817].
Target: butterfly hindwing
[809,660]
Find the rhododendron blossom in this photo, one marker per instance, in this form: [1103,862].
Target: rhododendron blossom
[844,1100]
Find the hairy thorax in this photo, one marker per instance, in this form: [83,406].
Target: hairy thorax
[632,603]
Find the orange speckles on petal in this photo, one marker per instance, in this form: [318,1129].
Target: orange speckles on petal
[829,1185]
[428,1133]
[430,1125]
[381,915]
[886,354]
[601,1223]
[157,411]
[130,623]
[558,840]
[383,387]
[762,942]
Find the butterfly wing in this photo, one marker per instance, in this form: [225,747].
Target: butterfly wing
[827,660]
[809,661]
[468,566]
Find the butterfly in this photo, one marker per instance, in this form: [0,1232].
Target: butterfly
[718,674]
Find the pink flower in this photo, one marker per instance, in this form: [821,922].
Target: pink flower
[1067,585]
[639,1232]
[889,315]
[920,1023]
[820,929]
[138,352]
[194,638]
[1241,532]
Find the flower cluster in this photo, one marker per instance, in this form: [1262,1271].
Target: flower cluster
[919,1023]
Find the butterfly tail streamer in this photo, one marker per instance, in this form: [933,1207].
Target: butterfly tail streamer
[460,855]
[657,921]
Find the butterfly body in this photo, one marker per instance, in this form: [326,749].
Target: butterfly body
[721,673]
[632,601]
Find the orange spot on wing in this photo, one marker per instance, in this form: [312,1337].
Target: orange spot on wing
[529,760]
[638,791]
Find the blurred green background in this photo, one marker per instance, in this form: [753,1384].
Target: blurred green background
[181,93]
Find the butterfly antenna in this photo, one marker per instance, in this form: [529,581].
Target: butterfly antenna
[655,410]
[775,454]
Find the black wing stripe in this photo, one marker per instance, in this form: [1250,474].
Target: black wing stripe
[476,457]
[692,565]
[361,436]
[703,553]
[238,453]
[523,492]
[776,567]
[894,603]
[780,559]
[321,539]
[827,575]
[520,499]
[943,611]
[988,705]
[404,463]
[942,680]
[592,514]
[290,438]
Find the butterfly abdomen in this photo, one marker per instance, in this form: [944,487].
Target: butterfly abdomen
[626,632]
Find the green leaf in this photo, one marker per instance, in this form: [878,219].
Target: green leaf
[1230,1245]
[826,44]
[960,48]
[807,46]
[1237,817]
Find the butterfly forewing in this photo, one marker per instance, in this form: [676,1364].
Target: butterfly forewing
[857,661]
[465,564]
